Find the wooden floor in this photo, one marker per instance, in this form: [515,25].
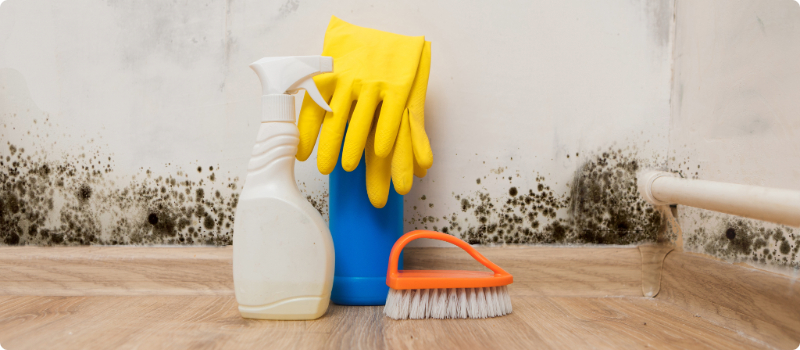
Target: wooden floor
[181,298]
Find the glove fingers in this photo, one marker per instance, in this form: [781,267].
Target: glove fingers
[416,105]
[378,174]
[309,122]
[419,88]
[419,171]
[388,124]
[403,159]
[333,127]
[359,128]
[419,138]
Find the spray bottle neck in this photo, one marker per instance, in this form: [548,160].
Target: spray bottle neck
[273,157]
[277,108]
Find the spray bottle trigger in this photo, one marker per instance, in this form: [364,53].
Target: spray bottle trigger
[311,88]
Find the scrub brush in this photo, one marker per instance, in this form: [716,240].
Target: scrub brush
[418,294]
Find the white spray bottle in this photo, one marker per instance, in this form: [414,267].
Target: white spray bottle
[282,248]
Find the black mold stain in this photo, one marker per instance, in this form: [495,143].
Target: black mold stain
[84,193]
[785,247]
[208,222]
[603,207]
[319,200]
[730,233]
[152,218]
[741,239]
[70,202]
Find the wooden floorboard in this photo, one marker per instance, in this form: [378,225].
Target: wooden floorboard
[77,271]
[207,271]
[181,298]
[213,322]
[763,305]
[579,271]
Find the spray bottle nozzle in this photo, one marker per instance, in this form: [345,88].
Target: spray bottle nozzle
[287,75]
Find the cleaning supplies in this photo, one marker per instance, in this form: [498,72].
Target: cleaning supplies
[418,294]
[366,213]
[283,259]
[377,69]
[364,231]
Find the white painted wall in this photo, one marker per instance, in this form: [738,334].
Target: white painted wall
[166,86]
[736,114]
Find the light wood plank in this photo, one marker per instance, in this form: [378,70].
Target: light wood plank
[76,271]
[762,305]
[576,297]
[565,271]
[207,271]
[212,322]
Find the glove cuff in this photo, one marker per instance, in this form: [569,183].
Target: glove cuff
[277,108]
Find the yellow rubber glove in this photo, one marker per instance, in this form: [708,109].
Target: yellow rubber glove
[379,173]
[370,66]
[412,153]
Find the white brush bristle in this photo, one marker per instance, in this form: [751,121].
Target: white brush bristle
[483,302]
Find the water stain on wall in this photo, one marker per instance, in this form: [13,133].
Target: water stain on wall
[659,14]
[174,31]
[602,207]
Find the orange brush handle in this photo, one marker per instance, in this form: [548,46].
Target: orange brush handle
[427,279]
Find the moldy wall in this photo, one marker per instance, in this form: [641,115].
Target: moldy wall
[735,102]
[132,122]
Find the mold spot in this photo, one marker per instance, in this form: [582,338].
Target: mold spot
[512,191]
[208,222]
[465,205]
[152,218]
[319,201]
[478,181]
[730,233]
[84,192]
[12,239]
[785,248]
[199,169]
